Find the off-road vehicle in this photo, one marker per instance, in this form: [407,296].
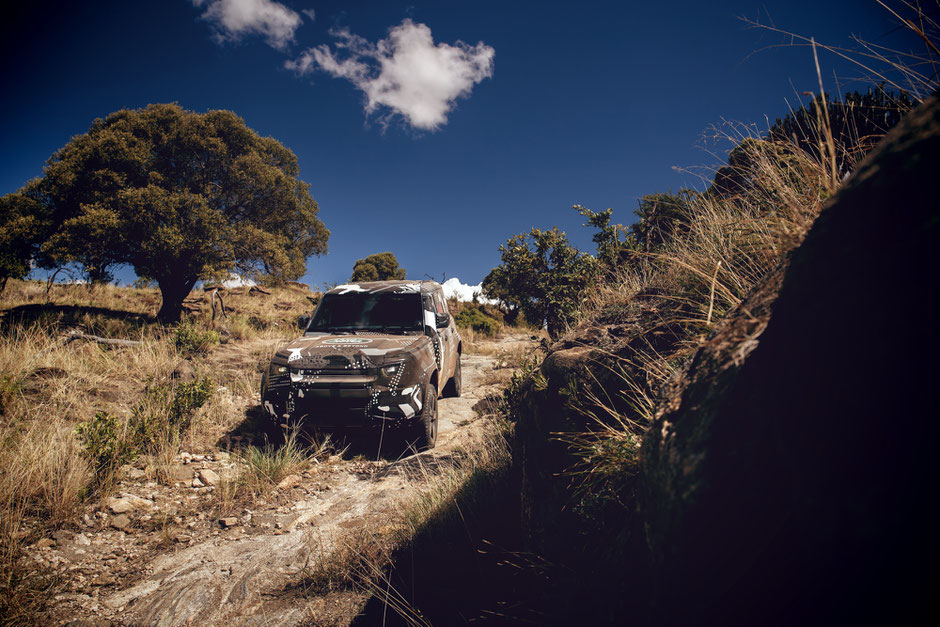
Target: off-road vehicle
[373,355]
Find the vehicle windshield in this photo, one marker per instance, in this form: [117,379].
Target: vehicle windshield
[368,311]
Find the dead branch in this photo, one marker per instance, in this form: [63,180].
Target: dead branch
[78,335]
[217,294]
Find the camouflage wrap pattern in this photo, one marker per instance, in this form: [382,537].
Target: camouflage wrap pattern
[363,378]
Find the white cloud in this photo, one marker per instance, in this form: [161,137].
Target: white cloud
[233,19]
[453,288]
[405,74]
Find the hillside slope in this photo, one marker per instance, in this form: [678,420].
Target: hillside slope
[787,473]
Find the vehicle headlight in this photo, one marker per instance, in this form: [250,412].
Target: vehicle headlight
[277,370]
[390,374]
[391,370]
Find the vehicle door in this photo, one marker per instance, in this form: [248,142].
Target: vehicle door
[448,336]
[430,328]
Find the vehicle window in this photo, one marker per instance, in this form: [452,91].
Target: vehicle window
[368,311]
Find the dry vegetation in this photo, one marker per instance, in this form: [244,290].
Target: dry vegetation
[667,302]
[78,417]
[675,297]
[73,410]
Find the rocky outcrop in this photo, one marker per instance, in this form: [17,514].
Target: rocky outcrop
[789,477]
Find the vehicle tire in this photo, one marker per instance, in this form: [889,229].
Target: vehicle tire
[455,385]
[427,430]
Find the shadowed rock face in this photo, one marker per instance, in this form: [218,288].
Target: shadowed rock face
[790,476]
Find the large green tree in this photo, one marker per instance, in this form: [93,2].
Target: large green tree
[543,276]
[180,196]
[377,267]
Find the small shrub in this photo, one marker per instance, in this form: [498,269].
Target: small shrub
[189,397]
[166,411]
[192,341]
[105,445]
[9,387]
[512,394]
[473,318]
[269,464]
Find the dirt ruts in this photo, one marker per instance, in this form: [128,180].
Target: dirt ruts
[154,554]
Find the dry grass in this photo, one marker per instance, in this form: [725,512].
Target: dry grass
[49,386]
[362,559]
[262,468]
[727,245]
[915,70]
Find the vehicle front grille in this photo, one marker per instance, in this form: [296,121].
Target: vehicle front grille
[332,405]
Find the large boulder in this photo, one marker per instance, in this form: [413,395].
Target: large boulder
[789,477]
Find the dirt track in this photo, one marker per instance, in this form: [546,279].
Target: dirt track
[246,572]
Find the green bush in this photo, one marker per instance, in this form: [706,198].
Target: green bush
[188,398]
[542,276]
[191,340]
[166,411]
[473,318]
[511,404]
[105,444]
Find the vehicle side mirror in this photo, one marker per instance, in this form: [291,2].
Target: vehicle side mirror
[442,320]
[302,322]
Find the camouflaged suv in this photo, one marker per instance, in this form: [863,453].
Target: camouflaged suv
[373,354]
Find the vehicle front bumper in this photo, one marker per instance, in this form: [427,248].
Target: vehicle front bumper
[341,402]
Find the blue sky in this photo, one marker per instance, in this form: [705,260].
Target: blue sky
[592,103]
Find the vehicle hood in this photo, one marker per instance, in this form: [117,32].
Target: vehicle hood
[349,351]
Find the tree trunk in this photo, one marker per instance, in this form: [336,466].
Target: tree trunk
[173,291]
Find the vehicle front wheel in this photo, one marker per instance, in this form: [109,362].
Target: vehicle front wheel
[427,430]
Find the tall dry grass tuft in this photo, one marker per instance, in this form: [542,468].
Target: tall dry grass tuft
[729,239]
[43,478]
[44,469]
[264,467]
[915,71]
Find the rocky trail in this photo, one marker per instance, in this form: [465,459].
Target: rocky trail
[166,553]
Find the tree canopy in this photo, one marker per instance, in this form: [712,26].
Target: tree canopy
[178,195]
[22,226]
[377,267]
[543,276]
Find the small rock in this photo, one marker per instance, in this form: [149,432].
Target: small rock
[127,503]
[182,537]
[289,482]
[61,536]
[120,506]
[229,521]
[197,483]
[209,476]
[82,540]
[121,522]
[44,542]
[135,473]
